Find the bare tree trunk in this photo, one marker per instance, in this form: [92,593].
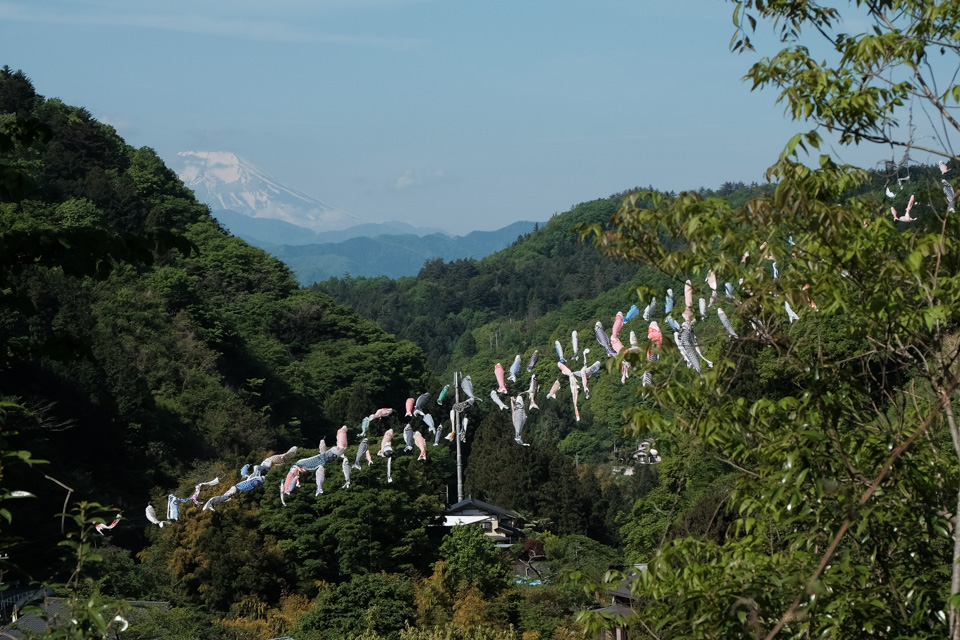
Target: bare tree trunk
[955,582]
[955,573]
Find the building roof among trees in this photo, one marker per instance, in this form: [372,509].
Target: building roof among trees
[481,506]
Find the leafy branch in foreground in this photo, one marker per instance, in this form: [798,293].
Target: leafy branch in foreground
[842,425]
[87,615]
[846,458]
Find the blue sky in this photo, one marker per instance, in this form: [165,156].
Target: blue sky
[452,114]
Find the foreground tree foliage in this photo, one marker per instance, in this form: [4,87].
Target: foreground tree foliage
[846,498]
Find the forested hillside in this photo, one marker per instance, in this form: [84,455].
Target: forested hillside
[145,348]
[470,315]
[148,351]
[439,307]
[542,272]
[792,363]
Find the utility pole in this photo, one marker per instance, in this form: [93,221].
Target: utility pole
[456,436]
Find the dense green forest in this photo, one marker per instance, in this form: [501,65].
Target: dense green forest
[528,295]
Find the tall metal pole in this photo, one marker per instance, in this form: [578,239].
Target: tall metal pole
[456,436]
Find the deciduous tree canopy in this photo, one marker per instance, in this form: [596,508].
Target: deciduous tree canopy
[845,458]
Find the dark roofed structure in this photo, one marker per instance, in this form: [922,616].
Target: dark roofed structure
[621,606]
[57,611]
[497,523]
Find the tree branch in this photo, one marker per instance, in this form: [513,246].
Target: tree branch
[845,526]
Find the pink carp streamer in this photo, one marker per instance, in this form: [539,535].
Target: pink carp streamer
[501,381]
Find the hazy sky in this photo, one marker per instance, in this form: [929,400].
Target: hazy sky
[456,114]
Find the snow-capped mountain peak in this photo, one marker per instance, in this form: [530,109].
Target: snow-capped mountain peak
[223,180]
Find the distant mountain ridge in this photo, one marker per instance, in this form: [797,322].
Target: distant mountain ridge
[316,239]
[391,255]
[267,232]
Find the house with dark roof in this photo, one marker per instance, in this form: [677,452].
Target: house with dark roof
[621,606]
[56,613]
[499,524]
[15,597]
